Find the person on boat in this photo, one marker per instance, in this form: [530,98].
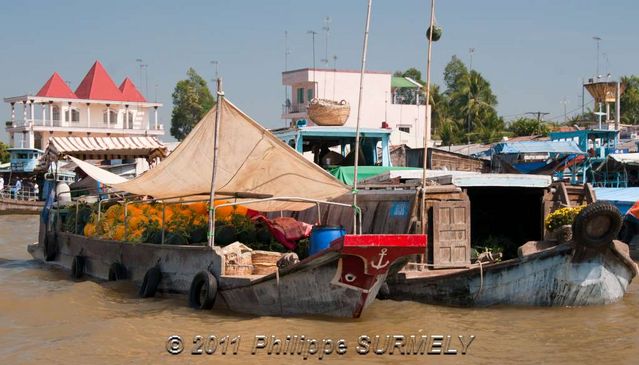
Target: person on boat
[1,184]
[17,188]
[630,225]
[36,190]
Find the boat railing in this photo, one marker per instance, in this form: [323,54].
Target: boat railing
[9,192]
[126,199]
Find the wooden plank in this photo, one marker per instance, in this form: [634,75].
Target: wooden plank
[563,194]
[451,234]
[589,193]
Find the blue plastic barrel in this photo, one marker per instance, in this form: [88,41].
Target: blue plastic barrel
[322,236]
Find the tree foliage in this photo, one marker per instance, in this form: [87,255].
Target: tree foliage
[630,100]
[4,154]
[528,127]
[192,99]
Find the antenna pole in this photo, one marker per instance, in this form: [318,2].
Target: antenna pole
[216,147]
[427,128]
[359,112]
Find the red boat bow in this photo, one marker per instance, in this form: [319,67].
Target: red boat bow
[366,257]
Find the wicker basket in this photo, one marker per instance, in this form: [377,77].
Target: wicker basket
[265,262]
[237,260]
[325,112]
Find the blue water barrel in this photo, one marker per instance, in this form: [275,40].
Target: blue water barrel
[322,236]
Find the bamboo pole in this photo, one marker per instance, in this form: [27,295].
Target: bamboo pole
[427,114]
[359,109]
[218,116]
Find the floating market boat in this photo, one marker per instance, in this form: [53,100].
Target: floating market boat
[261,173]
[494,214]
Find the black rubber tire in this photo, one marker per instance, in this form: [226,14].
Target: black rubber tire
[50,246]
[203,291]
[150,283]
[117,271]
[77,267]
[384,292]
[597,225]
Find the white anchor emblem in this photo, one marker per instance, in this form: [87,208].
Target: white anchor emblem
[380,264]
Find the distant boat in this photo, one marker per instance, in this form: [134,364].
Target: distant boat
[324,112]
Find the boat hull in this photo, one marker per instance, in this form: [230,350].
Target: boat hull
[340,281]
[564,275]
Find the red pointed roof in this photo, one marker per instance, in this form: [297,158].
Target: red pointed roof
[98,85]
[55,87]
[130,92]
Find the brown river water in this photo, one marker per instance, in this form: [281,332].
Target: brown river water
[47,318]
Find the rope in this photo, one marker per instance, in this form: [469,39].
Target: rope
[481,280]
[279,292]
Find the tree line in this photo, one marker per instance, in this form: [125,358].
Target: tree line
[463,109]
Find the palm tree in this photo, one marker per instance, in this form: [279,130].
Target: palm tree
[472,99]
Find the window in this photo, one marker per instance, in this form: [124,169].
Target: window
[113,118]
[300,95]
[129,120]
[309,94]
[404,128]
[56,113]
[75,115]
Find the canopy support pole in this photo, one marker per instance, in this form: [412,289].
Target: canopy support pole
[427,127]
[218,116]
[359,110]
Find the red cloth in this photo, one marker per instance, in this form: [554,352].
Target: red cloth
[286,230]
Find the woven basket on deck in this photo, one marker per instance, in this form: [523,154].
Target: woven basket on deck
[325,112]
[264,262]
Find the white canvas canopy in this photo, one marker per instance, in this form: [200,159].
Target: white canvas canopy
[251,160]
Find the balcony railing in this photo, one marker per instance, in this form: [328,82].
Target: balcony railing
[294,108]
[59,123]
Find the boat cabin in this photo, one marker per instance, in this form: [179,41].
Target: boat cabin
[472,213]
[24,159]
[334,146]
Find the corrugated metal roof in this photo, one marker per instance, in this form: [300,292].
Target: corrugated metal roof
[629,195]
[503,180]
[404,82]
[568,147]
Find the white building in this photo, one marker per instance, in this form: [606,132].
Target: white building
[97,108]
[381,104]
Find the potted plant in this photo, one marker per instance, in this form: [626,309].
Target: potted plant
[559,223]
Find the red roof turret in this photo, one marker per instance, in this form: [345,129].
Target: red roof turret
[98,85]
[55,87]
[130,92]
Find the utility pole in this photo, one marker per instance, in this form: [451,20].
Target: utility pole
[313,33]
[597,39]
[539,114]
[471,51]
[326,28]
[565,103]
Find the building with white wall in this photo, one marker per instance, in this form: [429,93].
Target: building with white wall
[382,104]
[97,108]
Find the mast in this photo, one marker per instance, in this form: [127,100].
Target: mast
[427,114]
[359,109]
[218,116]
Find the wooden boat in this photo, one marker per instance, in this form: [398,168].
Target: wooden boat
[568,274]
[341,280]
[262,173]
[324,112]
[541,272]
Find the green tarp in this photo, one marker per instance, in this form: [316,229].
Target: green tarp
[346,174]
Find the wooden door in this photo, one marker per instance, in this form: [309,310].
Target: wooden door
[451,234]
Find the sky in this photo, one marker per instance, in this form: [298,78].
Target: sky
[535,54]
